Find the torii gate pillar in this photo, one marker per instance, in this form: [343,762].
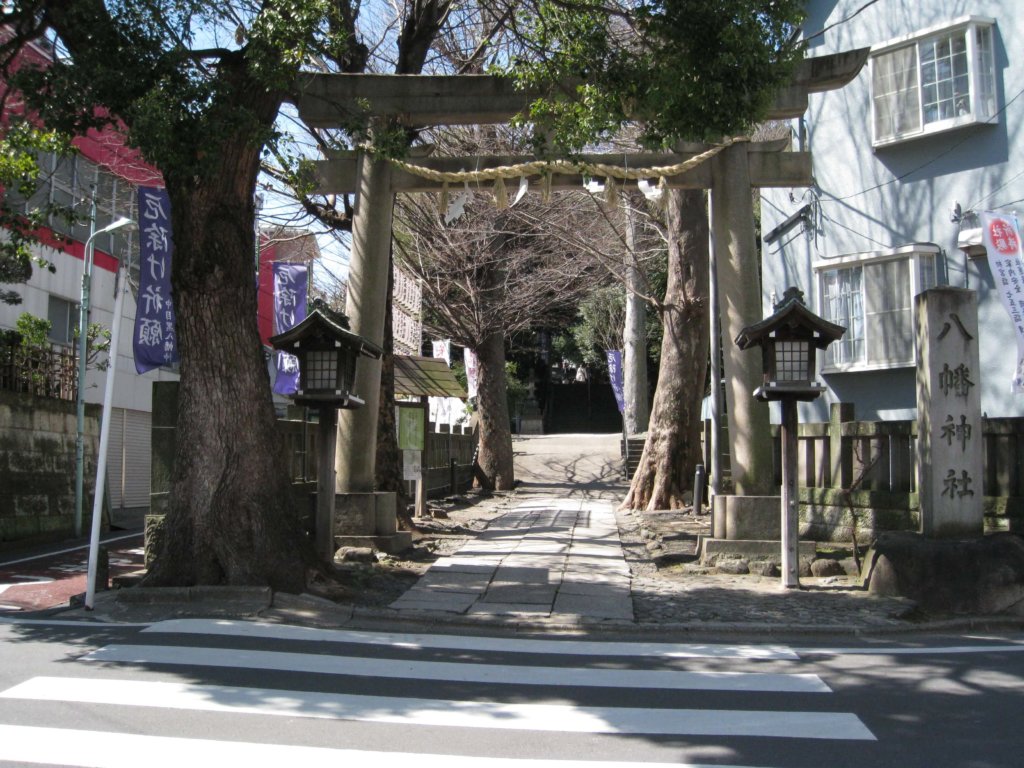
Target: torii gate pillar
[739,299]
[365,305]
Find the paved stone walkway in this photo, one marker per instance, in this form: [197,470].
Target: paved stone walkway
[546,558]
[564,554]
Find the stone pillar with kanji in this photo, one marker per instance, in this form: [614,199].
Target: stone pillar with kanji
[949,438]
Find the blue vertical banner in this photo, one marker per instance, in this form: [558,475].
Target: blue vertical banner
[155,341]
[615,375]
[289,309]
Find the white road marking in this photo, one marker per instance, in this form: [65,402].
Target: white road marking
[58,746]
[501,674]
[571,647]
[429,712]
[916,651]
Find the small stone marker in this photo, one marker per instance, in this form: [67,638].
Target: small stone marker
[949,438]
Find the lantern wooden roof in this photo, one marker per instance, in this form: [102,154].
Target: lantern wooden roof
[791,313]
[325,326]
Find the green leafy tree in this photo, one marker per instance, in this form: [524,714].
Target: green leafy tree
[691,70]
[20,144]
[600,324]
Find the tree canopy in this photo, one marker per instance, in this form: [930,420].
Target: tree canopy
[689,70]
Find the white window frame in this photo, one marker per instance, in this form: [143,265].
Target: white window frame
[982,106]
[925,272]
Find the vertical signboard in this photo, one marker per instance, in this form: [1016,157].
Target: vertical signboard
[615,374]
[1001,233]
[289,309]
[154,342]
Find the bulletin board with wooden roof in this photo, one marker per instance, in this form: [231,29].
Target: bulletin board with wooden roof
[425,377]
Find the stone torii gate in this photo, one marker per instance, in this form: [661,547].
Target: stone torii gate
[730,172]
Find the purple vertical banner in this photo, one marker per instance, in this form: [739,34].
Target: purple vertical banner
[289,309]
[615,374]
[154,342]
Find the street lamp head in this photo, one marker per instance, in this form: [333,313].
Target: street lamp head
[121,223]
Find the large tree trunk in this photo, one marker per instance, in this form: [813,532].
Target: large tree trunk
[495,454]
[673,438]
[232,519]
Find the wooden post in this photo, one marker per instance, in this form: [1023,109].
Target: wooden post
[790,499]
[421,481]
[327,438]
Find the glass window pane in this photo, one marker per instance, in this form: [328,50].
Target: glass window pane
[895,93]
[951,96]
[889,318]
[926,267]
[63,317]
[985,77]
[843,305]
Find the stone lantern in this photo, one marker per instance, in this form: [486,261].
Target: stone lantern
[327,353]
[789,340]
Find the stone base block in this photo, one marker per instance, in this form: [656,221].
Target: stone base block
[396,542]
[747,517]
[713,550]
[369,520]
[365,514]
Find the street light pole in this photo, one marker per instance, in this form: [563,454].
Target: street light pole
[120,287]
[83,332]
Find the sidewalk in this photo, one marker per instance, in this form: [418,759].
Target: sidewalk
[557,555]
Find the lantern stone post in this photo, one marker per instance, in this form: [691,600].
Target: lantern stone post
[327,352]
[788,341]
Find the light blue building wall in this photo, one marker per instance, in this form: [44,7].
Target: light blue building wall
[932,123]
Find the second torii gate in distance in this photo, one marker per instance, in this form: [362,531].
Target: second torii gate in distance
[328,101]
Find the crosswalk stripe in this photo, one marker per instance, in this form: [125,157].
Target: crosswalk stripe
[572,647]
[429,712]
[404,669]
[59,746]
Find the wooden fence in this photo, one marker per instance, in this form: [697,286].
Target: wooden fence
[47,372]
[448,459]
[859,477]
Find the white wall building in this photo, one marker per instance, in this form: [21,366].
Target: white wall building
[929,131]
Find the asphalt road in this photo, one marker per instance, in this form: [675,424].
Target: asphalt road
[202,692]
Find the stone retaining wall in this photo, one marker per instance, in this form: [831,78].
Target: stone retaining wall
[37,467]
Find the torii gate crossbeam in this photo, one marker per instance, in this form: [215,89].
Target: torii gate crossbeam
[328,101]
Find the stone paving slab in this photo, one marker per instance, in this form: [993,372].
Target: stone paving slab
[594,607]
[423,600]
[595,588]
[528,594]
[523,575]
[454,582]
[464,565]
